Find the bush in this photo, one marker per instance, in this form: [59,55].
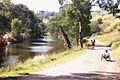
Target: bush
[116,45]
[99,20]
[117,16]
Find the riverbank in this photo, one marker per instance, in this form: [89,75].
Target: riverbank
[32,65]
[87,66]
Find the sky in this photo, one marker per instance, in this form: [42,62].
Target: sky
[45,5]
[35,5]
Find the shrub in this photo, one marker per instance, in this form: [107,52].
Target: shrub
[118,29]
[116,45]
[99,20]
[94,26]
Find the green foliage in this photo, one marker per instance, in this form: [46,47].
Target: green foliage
[115,45]
[19,20]
[6,1]
[109,5]
[96,14]
[16,26]
[95,25]
[83,7]
[69,17]
[99,20]
[53,26]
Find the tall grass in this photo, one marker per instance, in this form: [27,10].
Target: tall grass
[117,54]
[110,33]
[112,27]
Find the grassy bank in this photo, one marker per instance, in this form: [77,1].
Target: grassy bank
[104,39]
[33,65]
[112,41]
[108,31]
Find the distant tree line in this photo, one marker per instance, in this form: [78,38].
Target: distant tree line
[45,14]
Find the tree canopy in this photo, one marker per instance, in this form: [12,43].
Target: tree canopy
[19,20]
[69,17]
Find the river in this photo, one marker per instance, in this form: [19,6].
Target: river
[36,49]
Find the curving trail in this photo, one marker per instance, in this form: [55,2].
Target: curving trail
[87,66]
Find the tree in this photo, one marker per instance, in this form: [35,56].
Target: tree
[109,5]
[83,7]
[6,1]
[53,27]
[19,20]
[61,27]
[16,26]
[78,18]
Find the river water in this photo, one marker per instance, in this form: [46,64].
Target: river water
[36,49]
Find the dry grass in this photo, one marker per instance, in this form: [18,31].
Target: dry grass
[111,33]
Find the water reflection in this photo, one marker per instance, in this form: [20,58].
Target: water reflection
[38,43]
[11,59]
[36,49]
[3,56]
[47,39]
[40,48]
[43,56]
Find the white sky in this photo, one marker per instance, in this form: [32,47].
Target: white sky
[46,5]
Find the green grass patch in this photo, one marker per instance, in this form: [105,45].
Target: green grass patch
[47,35]
[115,45]
[104,40]
[117,53]
[33,65]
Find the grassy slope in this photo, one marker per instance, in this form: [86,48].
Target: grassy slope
[110,32]
[34,65]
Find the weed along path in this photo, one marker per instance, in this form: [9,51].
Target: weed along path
[87,66]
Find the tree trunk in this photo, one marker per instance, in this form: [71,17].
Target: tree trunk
[80,35]
[65,37]
[81,39]
[77,40]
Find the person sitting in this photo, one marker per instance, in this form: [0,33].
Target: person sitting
[105,55]
[93,44]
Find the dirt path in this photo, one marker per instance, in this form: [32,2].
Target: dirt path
[85,67]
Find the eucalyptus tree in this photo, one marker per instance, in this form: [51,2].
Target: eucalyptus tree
[112,6]
[6,1]
[16,25]
[4,19]
[83,7]
[82,16]
[53,27]
[68,43]
[11,15]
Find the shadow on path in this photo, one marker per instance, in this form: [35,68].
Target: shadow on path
[99,45]
[97,75]
[110,60]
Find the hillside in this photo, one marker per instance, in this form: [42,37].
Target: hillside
[107,29]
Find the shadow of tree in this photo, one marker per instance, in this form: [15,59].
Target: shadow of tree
[98,45]
[97,75]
